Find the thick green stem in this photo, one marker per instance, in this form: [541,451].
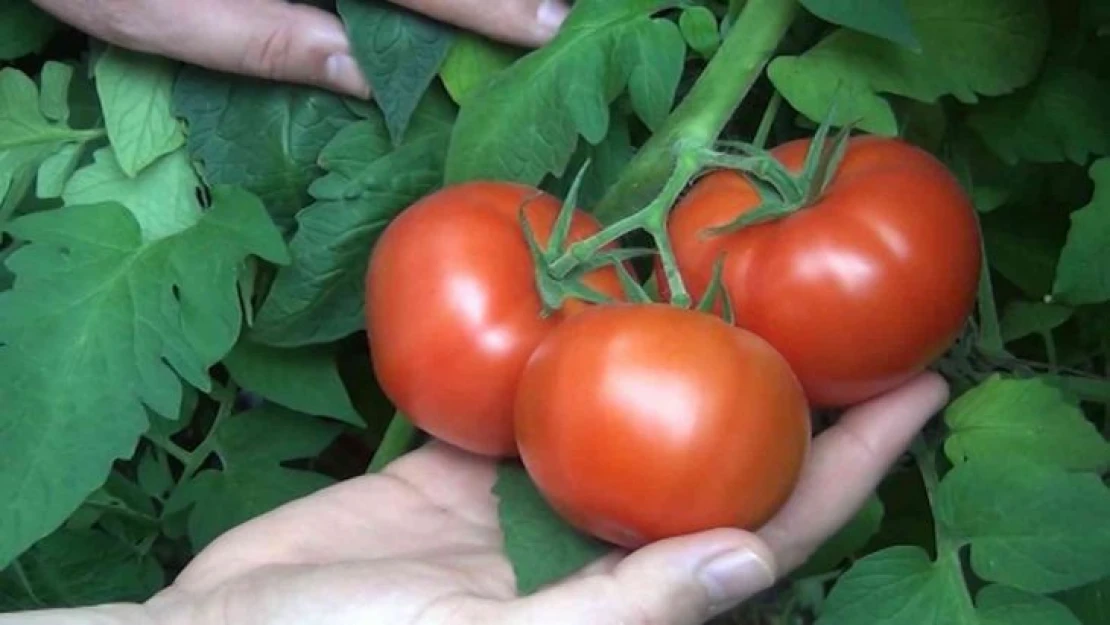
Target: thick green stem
[396,442]
[699,118]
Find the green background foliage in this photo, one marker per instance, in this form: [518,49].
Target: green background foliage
[182,255]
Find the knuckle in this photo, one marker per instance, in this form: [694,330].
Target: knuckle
[268,53]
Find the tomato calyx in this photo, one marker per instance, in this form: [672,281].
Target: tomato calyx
[554,289]
[782,192]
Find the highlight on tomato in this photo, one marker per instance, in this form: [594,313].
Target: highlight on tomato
[639,422]
[453,311]
[860,290]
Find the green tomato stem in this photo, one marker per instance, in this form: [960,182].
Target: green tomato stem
[398,437]
[698,120]
[767,121]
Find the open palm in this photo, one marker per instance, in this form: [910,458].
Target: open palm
[420,544]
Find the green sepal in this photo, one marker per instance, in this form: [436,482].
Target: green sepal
[613,256]
[551,292]
[715,290]
[561,230]
[632,288]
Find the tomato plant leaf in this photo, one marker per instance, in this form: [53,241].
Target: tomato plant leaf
[1031,526]
[319,297]
[471,61]
[1083,275]
[73,568]
[24,29]
[135,94]
[251,447]
[27,137]
[54,80]
[1022,318]
[846,541]
[1026,418]
[1002,605]
[897,586]
[888,19]
[92,333]
[162,198]
[1064,115]
[259,134]
[656,53]
[56,170]
[399,51]
[305,379]
[968,48]
[1091,603]
[607,161]
[700,30]
[573,80]
[541,546]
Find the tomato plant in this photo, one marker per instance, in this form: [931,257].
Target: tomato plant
[860,290]
[642,422]
[453,311]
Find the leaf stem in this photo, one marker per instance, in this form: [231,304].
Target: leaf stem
[698,120]
[226,397]
[398,437]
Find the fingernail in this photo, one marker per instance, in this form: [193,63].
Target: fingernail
[344,74]
[550,17]
[734,576]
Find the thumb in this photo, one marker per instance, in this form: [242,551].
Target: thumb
[679,581]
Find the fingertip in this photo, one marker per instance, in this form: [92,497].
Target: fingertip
[550,17]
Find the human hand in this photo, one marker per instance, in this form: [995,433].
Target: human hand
[419,544]
[282,41]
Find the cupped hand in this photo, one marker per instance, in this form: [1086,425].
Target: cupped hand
[281,40]
[419,544]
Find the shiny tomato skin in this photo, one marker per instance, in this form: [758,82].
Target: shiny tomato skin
[452,310]
[860,291]
[642,422]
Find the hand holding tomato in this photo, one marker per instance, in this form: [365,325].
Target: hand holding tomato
[421,544]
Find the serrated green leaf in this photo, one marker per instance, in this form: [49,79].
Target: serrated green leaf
[607,160]
[54,90]
[471,61]
[24,28]
[251,447]
[969,48]
[1032,526]
[27,138]
[318,298]
[56,170]
[656,54]
[573,80]
[305,379]
[1063,116]
[399,51]
[96,331]
[1091,603]
[1001,605]
[262,135]
[700,30]
[162,198]
[897,586]
[153,473]
[1025,418]
[77,568]
[888,19]
[1022,318]
[846,542]
[1083,274]
[541,546]
[135,92]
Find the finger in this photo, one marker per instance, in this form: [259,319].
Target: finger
[268,39]
[679,581]
[524,22]
[846,465]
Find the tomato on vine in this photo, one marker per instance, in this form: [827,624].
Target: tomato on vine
[860,289]
[643,421]
[453,311]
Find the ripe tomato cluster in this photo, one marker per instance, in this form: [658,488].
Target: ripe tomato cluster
[640,421]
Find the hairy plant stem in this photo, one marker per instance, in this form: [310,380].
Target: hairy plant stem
[698,120]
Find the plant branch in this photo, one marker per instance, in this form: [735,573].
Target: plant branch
[398,437]
[697,121]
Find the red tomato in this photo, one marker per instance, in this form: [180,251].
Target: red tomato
[452,309]
[640,422]
[860,291]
